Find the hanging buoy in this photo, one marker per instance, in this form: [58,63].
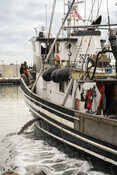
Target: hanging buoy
[54,76]
[63,74]
[50,70]
[47,74]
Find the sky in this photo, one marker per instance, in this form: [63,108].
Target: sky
[18,18]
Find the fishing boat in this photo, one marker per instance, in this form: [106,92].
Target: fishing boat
[73,86]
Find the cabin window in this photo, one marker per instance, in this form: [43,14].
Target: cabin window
[61,86]
[43,48]
[57,48]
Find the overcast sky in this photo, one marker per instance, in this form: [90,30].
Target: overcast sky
[18,18]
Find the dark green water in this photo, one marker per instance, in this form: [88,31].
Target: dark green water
[31,151]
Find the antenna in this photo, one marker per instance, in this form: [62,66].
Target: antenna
[108,15]
[35,30]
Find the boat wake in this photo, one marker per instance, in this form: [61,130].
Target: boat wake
[29,152]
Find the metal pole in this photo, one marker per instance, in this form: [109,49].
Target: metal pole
[67,91]
[59,32]
[97,7]
[92,10]
[91,26]
[85,12]
[52,15]
[46,16]
[73,93]
[108,15]
[2,68]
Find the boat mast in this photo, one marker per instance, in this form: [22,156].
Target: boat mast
[59,32]
[63,22]
[97,7]
[52,15]
[51,20]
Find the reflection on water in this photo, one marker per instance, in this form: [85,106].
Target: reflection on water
[13,111]
[30,151]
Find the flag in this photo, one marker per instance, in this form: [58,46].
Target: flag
[76,14]
[72,12]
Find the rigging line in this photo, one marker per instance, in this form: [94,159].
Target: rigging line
[85,12]
[89,43]
[99,8]
[91,11]
[83,36]
[81,44]
[78,49]
[107,35]
[110,108]
[87,50]
[92,31]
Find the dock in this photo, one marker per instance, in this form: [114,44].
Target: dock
[9,74]
[10,81]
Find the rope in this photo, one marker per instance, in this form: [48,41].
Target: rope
[29,123]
